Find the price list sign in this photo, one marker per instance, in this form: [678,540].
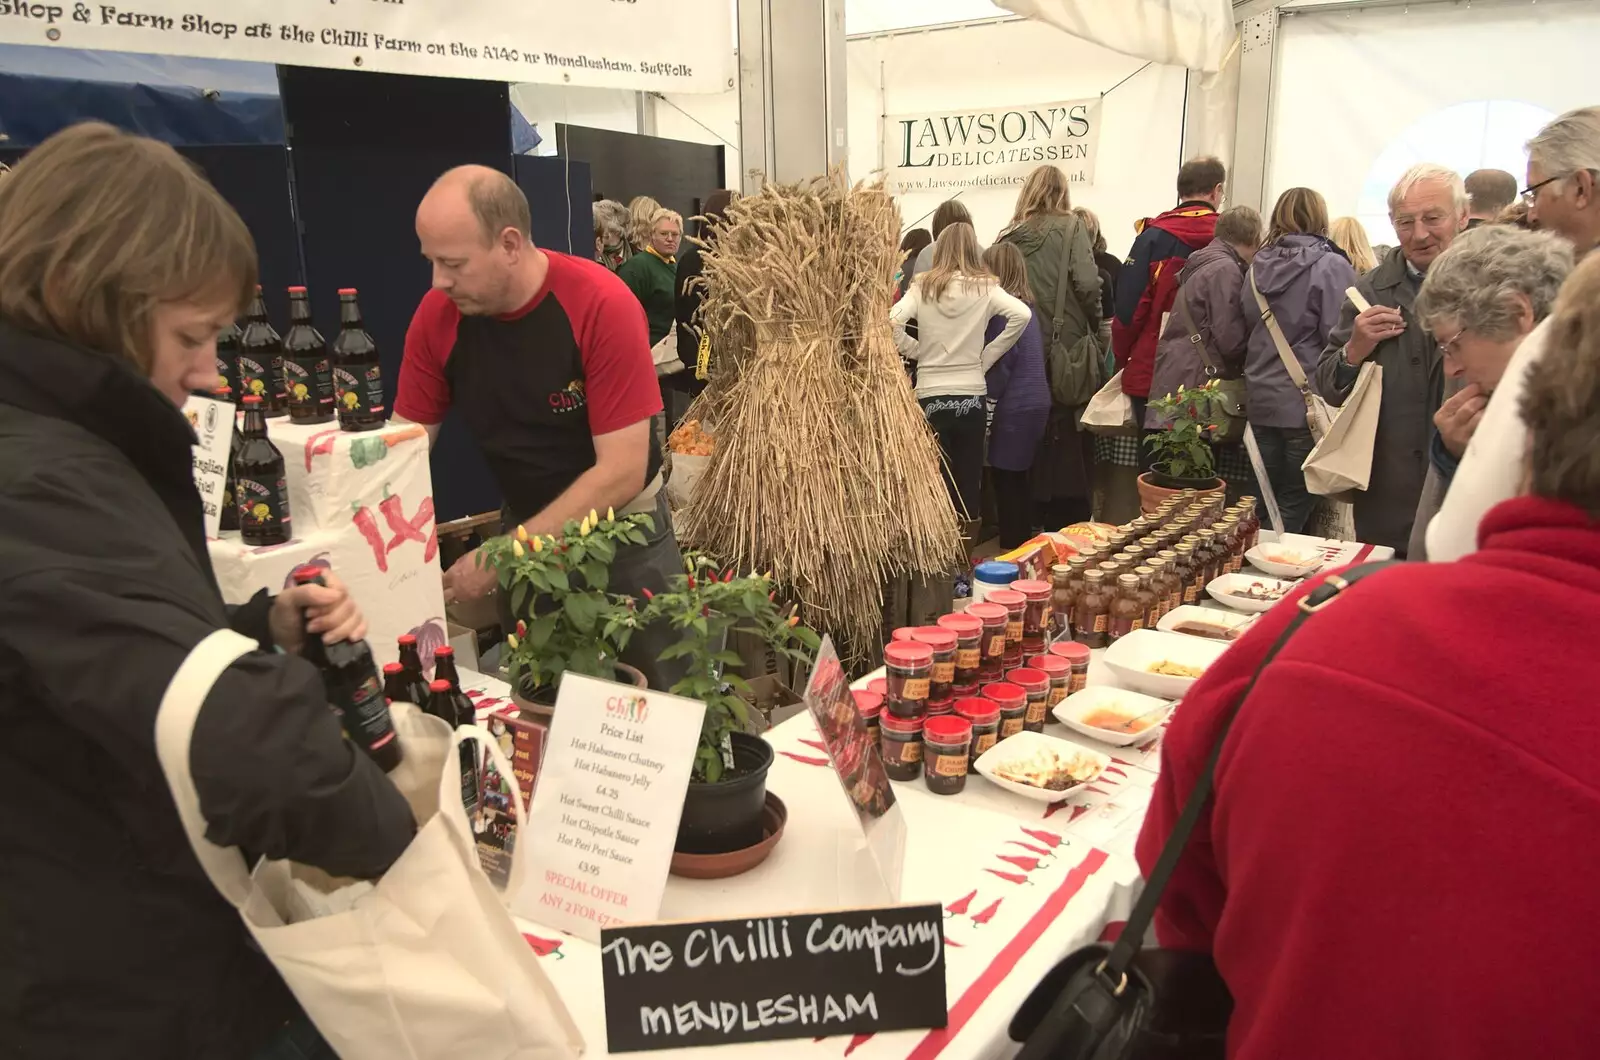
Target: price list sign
[605,813]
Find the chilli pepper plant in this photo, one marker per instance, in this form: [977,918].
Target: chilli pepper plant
[559,587]
[705,607]
[1183,450]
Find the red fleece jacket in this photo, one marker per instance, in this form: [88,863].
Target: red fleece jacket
[1147,286]
[1400,859]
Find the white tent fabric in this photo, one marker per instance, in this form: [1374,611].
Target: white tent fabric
[1192,33]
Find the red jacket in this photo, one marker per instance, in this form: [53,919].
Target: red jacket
[1148,284]
[1401,855]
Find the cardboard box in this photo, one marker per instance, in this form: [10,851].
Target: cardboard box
[464,640]
[773,703]
[759,659]
[931,598]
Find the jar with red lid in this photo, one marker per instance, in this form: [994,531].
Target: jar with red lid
[1077,656]
[1035,615]
[946,744]
[869,705]
[908,667]
[984,714]
[942,642]
[902,747]
[1016,606]
[995,617]
[903,633]
[969,635]
[1059,671]
[1036,683]
[1013,703]
[880,686]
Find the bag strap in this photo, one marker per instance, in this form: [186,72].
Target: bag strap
[1115,966]
[1285,351]
[175,719]
[1061,282]
[1181,303]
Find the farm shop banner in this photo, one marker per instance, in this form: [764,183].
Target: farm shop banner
[990,147]
[632,44]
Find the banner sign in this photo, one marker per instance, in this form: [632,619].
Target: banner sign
[659,45]
[990,147]
[801,975]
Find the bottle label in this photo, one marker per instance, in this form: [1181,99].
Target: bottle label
[967,658]
[1101,621]
[911,751]
[252,377]
[363,394]
[914,688]
[262,506]
[1189,594]
[1036,711]
[1010,727]
[309,382]
[997,646]
[1014,631]
[950,765]
[366,716]
[985,741]
[1058,692]
[945,672]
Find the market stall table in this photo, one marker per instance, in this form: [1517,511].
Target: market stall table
[1023,883]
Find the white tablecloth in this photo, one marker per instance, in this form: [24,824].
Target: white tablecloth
[1023,883]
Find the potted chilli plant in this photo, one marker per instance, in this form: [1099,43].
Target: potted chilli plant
[568,619]
[728,789]
[1182,457]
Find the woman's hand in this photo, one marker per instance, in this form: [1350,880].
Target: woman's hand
[325,609]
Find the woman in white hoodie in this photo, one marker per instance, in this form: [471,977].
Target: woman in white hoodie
[952,304]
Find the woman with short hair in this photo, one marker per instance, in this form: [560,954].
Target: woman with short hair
[642,210]
[952,304]
[1303,275]
[1394,783]
[119,267]
[652,274]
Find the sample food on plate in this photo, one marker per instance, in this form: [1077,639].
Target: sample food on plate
[1208,630]
[1168,668]
[1263,591]
[1116,721]
[1047,768]
[1289,557]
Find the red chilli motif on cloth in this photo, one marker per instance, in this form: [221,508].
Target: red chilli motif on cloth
[404,529]
[805,759]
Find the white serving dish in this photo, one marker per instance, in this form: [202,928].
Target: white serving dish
[1072,710]
[1130,657]
[1023,745]
[1229,588]
[1285,560]
[1211,616]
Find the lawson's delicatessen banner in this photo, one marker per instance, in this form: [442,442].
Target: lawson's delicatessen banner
[990,146]
[633,44]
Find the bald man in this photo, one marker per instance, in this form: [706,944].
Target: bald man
[548,358]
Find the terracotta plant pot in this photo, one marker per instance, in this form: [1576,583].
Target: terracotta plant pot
[720,866]
[726,816]
[1151,495]
[541,705]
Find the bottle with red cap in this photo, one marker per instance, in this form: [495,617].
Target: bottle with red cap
[455,709]
[228,357]
[259,482]
[357,370]
[307,368]
[351,682]
[411,665]
[444,666]
[261,359]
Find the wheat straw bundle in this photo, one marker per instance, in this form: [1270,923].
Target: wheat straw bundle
[824,471]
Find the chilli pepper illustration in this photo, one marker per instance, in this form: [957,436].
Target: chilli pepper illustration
[1009,877]
[803,758]
[369,530]
[1077,812]
[1025,864]
[319,444]
[817,744]
[1030,848]
[856,1041]
[410,529]
[960,905]
[988,913]
[1055,807]
[545,947]
[1049,839]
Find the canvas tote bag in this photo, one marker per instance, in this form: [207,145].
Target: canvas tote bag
[426,966]
[1110,411]
[1340,465]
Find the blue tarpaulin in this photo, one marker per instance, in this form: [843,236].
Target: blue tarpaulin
[183,101]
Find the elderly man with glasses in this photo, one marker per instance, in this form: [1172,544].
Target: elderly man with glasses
[1428,207]
[1563,192]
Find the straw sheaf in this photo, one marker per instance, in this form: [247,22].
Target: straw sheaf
[824,470]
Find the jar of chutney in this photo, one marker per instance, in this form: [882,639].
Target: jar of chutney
[984,714]
[1036,683]
[1059,671]
[991,660]
[969,636]
[946,743]
[942,643]
[908,669]
[1035,615]
[1077,656]
[1016,606]
[869,705]
[902,747]
[1012,700]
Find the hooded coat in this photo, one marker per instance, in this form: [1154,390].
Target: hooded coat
[1209,283]
[1147,284]
[1303,278]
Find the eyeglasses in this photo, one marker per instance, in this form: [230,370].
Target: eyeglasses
[1446,346]
[1531,192]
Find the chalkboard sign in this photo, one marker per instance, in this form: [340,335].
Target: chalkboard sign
[805,975]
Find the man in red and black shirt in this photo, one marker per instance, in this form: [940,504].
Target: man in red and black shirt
[1148,283]
[548,358]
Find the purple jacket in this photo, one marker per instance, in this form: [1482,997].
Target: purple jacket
[1017,384]
[1209,283]
[1303,279]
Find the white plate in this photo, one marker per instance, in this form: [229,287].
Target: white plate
[1285,560]
[1229,588]
[1023,745]
[1131,657]
[1194,614]
[1072,710]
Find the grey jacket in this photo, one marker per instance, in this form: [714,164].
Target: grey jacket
[1303,279]
[1413,380]
[1210,284]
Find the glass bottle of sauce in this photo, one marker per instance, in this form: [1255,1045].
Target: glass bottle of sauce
[1161,586]
[1252,523]
[1186,571]
[1147,598]
[1061,593]
[1126,614]
[1091,612]
[1210,554]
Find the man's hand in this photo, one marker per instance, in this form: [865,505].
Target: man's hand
[465,580]
[325,609]
[1373,325]
[1458,418]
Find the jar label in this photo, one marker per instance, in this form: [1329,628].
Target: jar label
[967,658]
[1079,681]
[914,688]
[1101,621]
[1058,692]
[1014,631]
[986,741]
[911,751]
[1036,710]
[1138,623]
[945,672]
[997,645]
[1010,727]
[1189,594]
[262,506]
[949,765]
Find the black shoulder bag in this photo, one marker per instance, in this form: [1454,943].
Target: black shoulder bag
[1120,1002]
